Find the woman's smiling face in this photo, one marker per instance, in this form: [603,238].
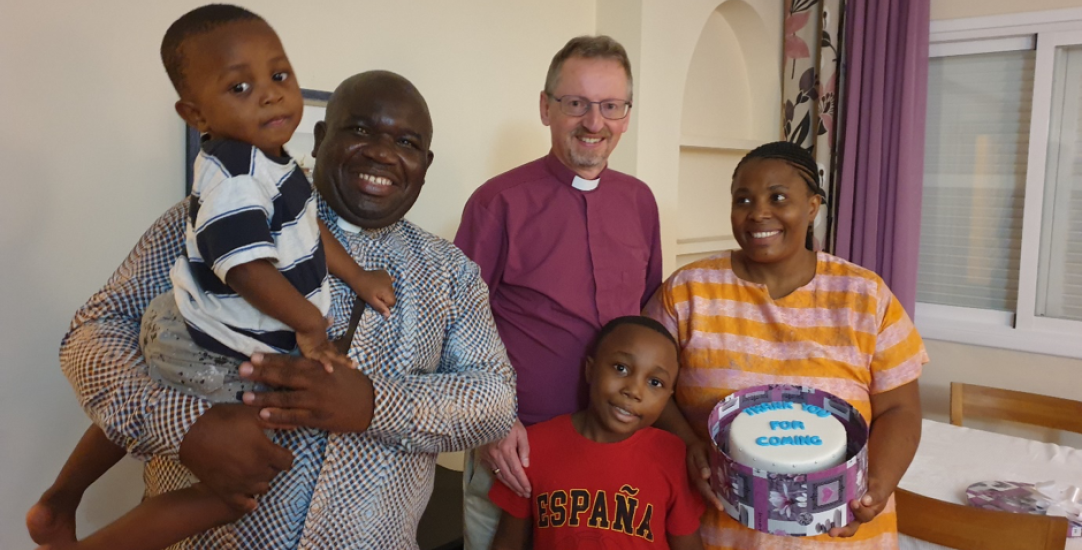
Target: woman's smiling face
[773,206]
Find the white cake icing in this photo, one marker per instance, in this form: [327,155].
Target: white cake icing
[785,437]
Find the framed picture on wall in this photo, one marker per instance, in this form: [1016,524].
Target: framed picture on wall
[300,145]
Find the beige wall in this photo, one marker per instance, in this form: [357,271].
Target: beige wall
[954,9]
[666,34]
[1044,374]
[82,85]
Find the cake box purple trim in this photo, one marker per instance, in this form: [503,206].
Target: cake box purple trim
[795,505]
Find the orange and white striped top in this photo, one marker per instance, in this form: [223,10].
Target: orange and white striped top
[843,332]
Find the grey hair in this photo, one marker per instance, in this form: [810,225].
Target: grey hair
[589,47]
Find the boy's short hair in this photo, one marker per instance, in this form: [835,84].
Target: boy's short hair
[198,21]
[631,320]
[588,47]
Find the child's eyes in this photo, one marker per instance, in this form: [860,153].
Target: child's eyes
[620,367]
[280,77]
[778,197]
[657,383]
[240,87]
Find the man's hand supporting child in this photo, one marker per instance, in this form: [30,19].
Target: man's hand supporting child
[306,395]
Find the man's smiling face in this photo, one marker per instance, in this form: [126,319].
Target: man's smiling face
[372,152]
[584,143]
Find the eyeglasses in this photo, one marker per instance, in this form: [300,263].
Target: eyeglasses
[573,105]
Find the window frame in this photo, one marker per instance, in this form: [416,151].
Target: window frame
[1021,330]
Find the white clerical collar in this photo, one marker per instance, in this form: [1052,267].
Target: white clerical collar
[348,227]
[585,185]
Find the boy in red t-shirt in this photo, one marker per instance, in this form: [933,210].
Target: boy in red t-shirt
[603,477]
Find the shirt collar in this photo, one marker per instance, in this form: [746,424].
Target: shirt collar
[334,221]
[568,176]
[348,227]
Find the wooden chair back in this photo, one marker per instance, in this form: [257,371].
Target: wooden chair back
[969,528]
[971,400]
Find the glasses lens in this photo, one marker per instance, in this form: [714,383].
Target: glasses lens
[613,110]
[573,105]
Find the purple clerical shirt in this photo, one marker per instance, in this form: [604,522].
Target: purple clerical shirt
[560,262]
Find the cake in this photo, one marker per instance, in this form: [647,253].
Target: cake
[786,437]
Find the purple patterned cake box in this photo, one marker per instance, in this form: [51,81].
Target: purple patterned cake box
[795,505]
[1016,497]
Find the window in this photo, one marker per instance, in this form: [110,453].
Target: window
[975,178]
[1001,224]
[1059,283]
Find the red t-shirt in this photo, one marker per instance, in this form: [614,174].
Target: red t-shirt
[630,494]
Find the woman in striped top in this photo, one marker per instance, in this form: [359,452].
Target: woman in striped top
[777,312]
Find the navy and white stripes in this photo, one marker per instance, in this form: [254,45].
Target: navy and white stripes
[246,206]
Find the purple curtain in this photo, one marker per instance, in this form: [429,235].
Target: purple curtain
[882,151]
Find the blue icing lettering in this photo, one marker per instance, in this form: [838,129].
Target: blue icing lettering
[771,406]
[776,441]
[786,425]
[817,411]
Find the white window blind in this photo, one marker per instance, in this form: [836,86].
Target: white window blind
[974,179]
[1059,283]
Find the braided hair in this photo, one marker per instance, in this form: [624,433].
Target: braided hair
[796,156]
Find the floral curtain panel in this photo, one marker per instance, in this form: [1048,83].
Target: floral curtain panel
[812,66]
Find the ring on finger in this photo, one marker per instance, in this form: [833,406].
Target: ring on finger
[496,471]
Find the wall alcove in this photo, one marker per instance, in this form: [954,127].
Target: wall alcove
[730,106]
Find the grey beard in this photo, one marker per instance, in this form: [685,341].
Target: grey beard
[586,160]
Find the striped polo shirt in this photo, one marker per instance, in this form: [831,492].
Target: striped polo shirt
[246,206]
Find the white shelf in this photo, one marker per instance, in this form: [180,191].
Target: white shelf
[718,144]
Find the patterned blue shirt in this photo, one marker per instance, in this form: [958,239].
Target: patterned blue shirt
[441,377]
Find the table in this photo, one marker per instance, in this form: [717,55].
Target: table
[951,458]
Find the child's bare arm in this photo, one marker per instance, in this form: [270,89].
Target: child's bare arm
[263,286]
[512,534]
[697,458]
[374,287]
[686,542]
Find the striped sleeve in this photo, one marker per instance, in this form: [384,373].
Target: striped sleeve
[899,350]
[232,225]
[660,309]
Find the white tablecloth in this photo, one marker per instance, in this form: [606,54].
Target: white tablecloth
[951,458]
